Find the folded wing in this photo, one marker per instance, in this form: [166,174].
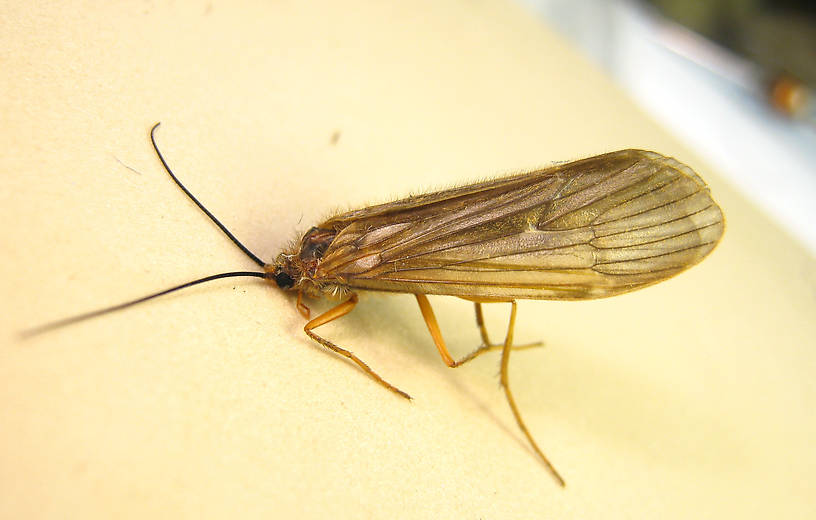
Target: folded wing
[587,229]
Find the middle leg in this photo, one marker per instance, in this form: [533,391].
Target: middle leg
[439,341]
[486,344]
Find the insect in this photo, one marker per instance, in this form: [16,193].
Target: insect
[587,229]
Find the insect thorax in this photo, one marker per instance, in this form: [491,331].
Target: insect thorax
[300,264]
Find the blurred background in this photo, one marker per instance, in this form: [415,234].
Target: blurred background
[733,79]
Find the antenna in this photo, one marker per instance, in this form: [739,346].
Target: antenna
[107,310]
[217,222]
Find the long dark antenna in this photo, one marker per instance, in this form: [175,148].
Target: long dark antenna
[235,241]
[88,315]
[93,314]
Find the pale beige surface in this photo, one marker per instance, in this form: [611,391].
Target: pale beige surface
[691,399]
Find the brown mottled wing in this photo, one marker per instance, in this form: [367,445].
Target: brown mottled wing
[587,229]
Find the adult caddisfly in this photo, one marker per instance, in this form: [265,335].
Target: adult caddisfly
[588,229]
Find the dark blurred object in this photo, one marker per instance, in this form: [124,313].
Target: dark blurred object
[779,37]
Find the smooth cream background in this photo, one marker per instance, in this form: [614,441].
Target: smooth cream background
[693,398]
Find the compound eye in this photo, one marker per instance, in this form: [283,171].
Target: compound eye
[284,281]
